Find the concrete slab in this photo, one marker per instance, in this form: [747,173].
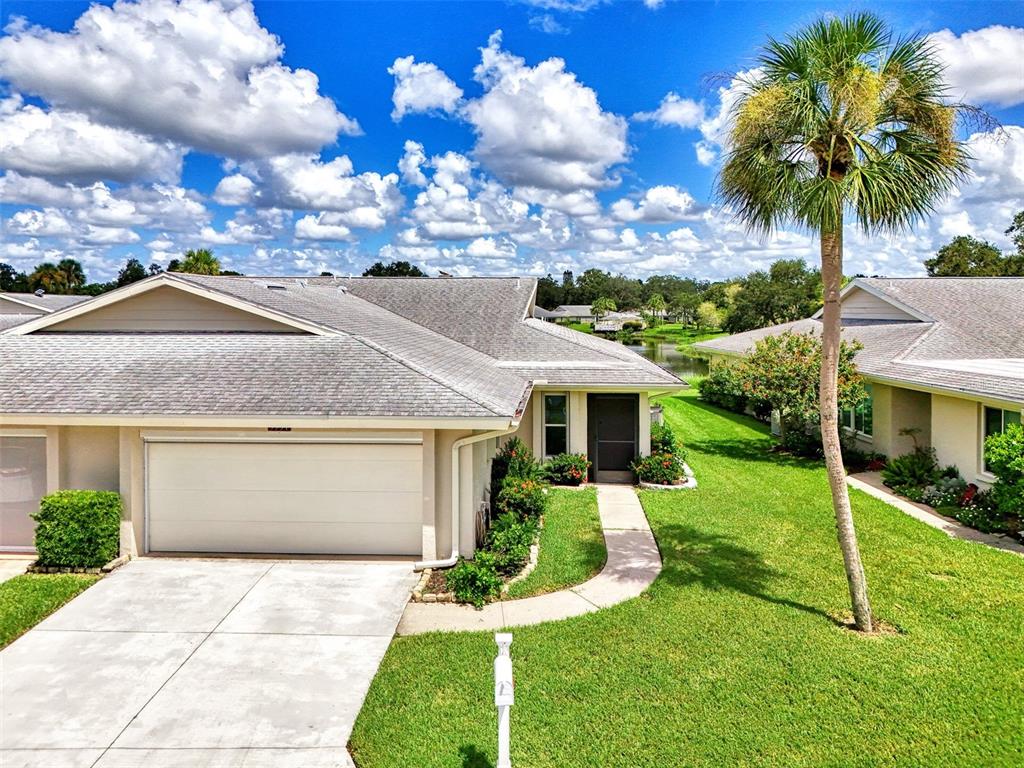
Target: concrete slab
[49,758]
[621,516]
[77,690]
[550,607]
[633,564]
[331,757]
[449,617]
[153,595]
[14,565]
[372,596]
[261,692]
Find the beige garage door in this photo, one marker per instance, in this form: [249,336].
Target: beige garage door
[320,498]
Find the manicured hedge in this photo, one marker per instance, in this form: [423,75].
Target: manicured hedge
[78,529]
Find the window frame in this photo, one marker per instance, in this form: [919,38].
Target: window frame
[544,453]
[848,417]
[982,435]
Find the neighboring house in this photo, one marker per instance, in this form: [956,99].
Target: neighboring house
[942,355]
[540,313]
[17,308]
[614,321]
[575,313]
[323,415]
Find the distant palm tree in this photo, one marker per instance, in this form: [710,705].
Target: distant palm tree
[73,273]
[602,306]
[199,262]
[48,277]
[842,119]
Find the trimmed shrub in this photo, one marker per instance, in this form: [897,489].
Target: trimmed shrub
[723,387]
[78,529]
[509,540]
[1004,456]
[474,581]
[661,468]
[566,469]
[522,497]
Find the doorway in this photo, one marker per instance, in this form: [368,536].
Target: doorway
[612,436]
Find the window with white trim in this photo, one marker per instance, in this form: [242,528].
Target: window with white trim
[994,422]
[861,418]
[556,424]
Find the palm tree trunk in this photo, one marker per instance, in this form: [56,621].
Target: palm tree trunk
[831,276]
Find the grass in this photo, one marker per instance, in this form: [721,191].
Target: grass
[571,544]
[677,333]
[28,599]
[734,656]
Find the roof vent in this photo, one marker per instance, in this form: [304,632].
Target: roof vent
[40,292]
[276,287]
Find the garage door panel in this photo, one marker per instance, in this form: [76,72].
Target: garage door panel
[296,506]
[285,538]
[285,497]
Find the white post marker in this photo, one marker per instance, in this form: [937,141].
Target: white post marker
[504,695]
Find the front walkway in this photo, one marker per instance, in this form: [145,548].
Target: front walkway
[14,565]
[204,663]
[871,484]
[633,563]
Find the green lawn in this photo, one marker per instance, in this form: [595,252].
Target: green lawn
[734,656]
[677,333]
[571,544]
[28,599]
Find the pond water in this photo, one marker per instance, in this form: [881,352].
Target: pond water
[664,353]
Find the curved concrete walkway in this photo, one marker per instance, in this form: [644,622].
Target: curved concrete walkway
[633,563]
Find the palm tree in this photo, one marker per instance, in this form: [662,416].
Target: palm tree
[842,118]
[655,308]
[49,277]
[199,262]
[602,306]
[74,275]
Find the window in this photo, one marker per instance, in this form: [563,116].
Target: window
[556,424]
[996,420]
[859,419]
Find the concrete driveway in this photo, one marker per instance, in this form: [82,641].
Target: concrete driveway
[201,663]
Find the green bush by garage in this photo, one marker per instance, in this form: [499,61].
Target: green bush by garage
[78,529]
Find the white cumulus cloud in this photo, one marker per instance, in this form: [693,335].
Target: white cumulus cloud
[983,66]
[199,73]
[659,205]
[421,87]
[674,110]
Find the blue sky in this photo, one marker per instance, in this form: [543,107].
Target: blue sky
[170,142]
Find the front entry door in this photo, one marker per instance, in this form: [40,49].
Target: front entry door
[612,435]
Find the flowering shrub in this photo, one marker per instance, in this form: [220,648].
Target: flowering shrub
[947,491]
[566,469]
[521,497]
[980,511]
[513,458]
[661,468]
[663,439]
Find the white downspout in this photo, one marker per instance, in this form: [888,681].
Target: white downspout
[453,558]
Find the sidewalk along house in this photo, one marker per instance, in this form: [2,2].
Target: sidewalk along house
[286,415]
[943,356]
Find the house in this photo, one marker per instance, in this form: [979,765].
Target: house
[322,415]
[943,357]
[17,308]
[575,313]
[612,322]
[540,313]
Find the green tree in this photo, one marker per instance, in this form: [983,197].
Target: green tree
[655,308]
[601,306]
[549,293]
[784,371]
[48,277]
[12,280]
[789,290]
[708,316]
[966,256]
[842,118]
[1015,261]
[200,261]
[394,269]
[74,275]
[131,272]
[684,307]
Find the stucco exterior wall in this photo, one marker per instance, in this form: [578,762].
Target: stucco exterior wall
[910,410]
[955,434]
[90,458]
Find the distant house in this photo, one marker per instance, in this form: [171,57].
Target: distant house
[943,356]
[17,308]
[575,313]
[539,313]
[614,321]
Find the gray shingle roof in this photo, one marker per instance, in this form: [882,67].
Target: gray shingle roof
[392,347]
[51,301]
[972,319]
